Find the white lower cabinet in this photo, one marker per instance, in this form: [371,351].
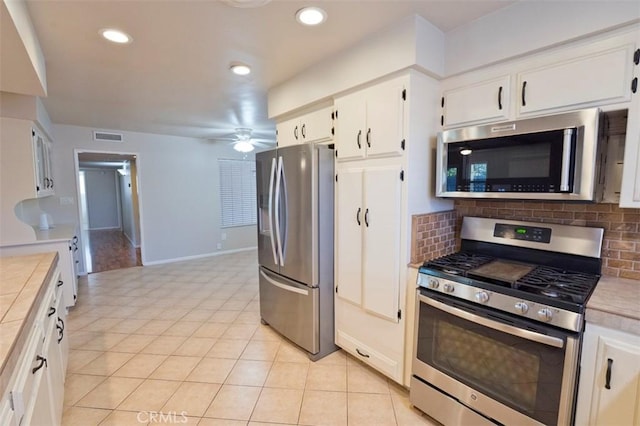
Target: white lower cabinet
[609,387]
[368,318]
[35,392]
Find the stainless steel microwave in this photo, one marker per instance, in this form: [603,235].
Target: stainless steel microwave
[556,157]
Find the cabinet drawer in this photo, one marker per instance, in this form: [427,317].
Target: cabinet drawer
[385,365]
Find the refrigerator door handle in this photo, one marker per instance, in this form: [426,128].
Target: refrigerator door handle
[273,241]
[277,202]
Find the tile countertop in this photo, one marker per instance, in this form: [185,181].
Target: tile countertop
[615,303]
[21,292]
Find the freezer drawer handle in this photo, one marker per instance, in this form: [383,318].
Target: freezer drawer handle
[283,286]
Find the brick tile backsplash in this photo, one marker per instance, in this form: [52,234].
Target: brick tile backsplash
[436,234]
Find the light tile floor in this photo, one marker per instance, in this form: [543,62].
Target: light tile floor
[182,343]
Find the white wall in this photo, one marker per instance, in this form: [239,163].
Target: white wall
[178,191]
[528,26]
[102,198]
[126,203]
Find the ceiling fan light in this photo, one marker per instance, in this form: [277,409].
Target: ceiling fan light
[243,146]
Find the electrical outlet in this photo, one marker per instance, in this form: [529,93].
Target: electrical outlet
[219,246]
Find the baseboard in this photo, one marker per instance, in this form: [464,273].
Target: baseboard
[109,228]
[198,256]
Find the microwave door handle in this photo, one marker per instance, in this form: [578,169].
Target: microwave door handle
[271,229]
[277,215]
[509,329]
[566,160]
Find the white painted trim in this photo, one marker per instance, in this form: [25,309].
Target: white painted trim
[198,256]
[106,228]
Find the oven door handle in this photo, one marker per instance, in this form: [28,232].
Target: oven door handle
[515,331]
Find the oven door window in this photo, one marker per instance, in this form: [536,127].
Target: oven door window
[519,163]
[522,374]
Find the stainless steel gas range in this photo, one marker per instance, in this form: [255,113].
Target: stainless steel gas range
[499,324]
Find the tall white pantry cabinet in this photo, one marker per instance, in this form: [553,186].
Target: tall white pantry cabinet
[383,146]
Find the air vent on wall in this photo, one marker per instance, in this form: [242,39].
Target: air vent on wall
[107,136]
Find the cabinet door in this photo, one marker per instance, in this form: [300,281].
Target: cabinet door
[62,334]
[350,126]
[316,126]
[382,188]
[288,133]
[349,223]
[630,187]
[485,101]
[619,403]
[385,112]
[601,78]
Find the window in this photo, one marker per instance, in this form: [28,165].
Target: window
[237,192]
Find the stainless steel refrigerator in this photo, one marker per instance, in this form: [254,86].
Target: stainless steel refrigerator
[295,187]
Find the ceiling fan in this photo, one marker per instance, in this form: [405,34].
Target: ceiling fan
[243,140]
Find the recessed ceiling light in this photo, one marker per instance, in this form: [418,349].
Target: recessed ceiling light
[243,146]
[311,15]
[240,69]
[116,36]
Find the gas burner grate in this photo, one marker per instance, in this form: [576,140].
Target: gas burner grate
[458,263]
[558,284]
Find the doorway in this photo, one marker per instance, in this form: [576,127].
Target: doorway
[109,210]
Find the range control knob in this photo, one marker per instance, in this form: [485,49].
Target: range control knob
[545,314]
[433,283]
[521,308]
[448,288]
[482,297]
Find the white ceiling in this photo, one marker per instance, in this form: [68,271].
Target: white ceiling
[174,79]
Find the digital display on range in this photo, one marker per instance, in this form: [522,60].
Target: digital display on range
[525,233]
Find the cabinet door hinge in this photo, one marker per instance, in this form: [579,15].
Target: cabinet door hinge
[442,102]
[336,178]
[442,120]
[336,114]
[333,131]
[636,57]
[402,175]
[399,314]
[333,114]
[404,94]
[634,85]
[402,144]
[33,132]
[70,249]
[336,289]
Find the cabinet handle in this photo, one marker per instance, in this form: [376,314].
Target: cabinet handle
[362,354]
[43,363]
[52,311]
[607,384]
[295,132]
[60,282]
[369,138]
[500,98]
[358,216]
[74,239]
[46,183]
[524,93]
[304,134]
[51,182]
[366,217]
[358,139]
[60,329]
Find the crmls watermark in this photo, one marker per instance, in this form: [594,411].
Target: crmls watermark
[161,417]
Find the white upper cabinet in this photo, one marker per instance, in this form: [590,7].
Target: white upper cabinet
[476,103]
[596,79]
[42,164]
[370,121]
[316,126]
